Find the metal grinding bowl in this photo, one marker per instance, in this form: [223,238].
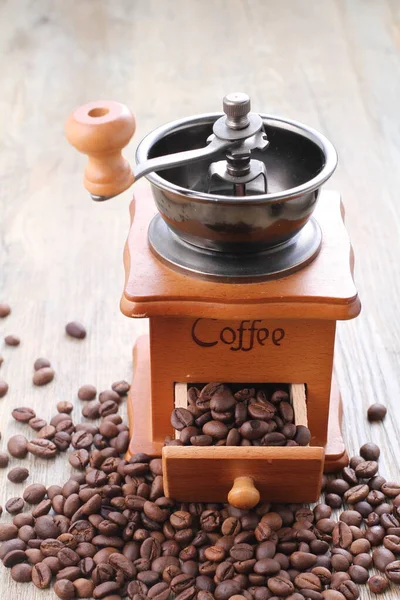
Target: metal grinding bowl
[298,161]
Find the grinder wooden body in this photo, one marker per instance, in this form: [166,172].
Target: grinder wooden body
[279,331]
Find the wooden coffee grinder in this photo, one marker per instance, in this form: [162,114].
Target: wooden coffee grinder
[242,266]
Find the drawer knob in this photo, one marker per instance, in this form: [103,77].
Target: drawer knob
[244,494]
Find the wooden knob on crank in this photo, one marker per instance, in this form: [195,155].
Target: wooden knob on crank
[244,494]
[101,130]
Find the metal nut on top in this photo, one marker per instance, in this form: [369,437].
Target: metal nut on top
[237,106]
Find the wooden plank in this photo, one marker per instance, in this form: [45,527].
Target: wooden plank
[299,401]
[280,474]
[60,255]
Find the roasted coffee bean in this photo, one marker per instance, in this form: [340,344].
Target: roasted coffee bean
[350,476]
[65,407]
[40,363]
[107,395]
[4,459]
[37,423]
[181,418]
[64,589]
[46,528]
[82,439]
[41,575]
[376,412]
[341,535]
[14,505]
[17,446]
[254,429]
[8,531]
[356,494]
[377,583]
[75,330]
[87,392]
[302,560]
[358,574]
[18,474]
[3,387]
[23,414]
[12,340]
[5,310]
[367,469]
[226,589]
[42,448]
[43,376]
[216,429]
[47,432]
[281,586]
[263,411]
[370,451]
[375,534]
[382,557]
[121,387]
[21,573]
[392,571]
[333,500]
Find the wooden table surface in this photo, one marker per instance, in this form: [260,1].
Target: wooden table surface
[333,64]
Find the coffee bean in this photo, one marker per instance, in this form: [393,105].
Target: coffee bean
[18,474]
[41,576]
[281,586]
[23,414]
[14,505]
[46,528]
[5,310]
[41,363]
[65,407]
[79,459]
[8,531]
[105,589]
[263,411]
[37,423]
[21,573]
[121,387]
[12,340]
[333,500]
[391,489]
[82,439]
[303,435]
[376,412]
[43,376]
[382,557]
[64,589]
[341,535]
[181,418]
[378,584]
[254,429]
[87,392]
[108,395]
[75,330]
[370,451]
[42,448]
[3,388]
[356,494]
[83,587]
[226,589]
[358,574]
[367,469]
[3,460]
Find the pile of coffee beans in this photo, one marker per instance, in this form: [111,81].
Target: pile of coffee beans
[109,532]
[218,416]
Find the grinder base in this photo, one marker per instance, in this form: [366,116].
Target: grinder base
[140,414]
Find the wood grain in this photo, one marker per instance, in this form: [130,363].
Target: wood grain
[193,473]
[333,64]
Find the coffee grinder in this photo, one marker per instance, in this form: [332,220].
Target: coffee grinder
[242,264]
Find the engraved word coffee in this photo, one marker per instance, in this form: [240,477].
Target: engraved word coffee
[242,337]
